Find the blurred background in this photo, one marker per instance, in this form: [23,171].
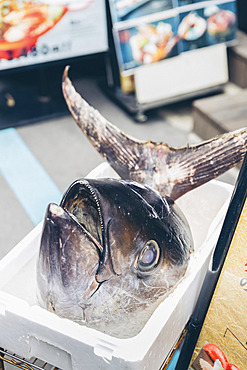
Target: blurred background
[171,71]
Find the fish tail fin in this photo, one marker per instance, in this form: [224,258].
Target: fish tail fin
[198,164]
[171,171]
[119,149]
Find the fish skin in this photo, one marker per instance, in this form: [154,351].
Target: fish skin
[66,265]
[171,171]
[90,266]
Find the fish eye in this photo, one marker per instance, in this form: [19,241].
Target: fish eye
[149,257]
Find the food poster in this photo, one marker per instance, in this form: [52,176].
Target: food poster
[147,43]
[210,25]
[124,10]
[33,32]
[222,343]
[186,2]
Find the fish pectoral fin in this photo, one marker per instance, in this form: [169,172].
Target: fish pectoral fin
[195,165]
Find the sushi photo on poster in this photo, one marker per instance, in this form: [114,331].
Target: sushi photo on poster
[148,41]
[33,32]
[158,36]
[212,24]
[222,343]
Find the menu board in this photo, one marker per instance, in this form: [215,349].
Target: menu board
[148,42]
[222,343]
[186,2]
[210,25]
[148,31]
[125,10]
[33,32]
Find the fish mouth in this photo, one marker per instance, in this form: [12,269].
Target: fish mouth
[86,202]
[68,260]
[83,204]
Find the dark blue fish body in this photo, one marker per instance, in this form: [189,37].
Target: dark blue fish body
[110,251]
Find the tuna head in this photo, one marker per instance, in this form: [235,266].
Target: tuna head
[110,250]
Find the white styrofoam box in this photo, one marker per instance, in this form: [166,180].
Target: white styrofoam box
[30,331]
[186,73]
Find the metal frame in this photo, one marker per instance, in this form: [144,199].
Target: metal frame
[21,363]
